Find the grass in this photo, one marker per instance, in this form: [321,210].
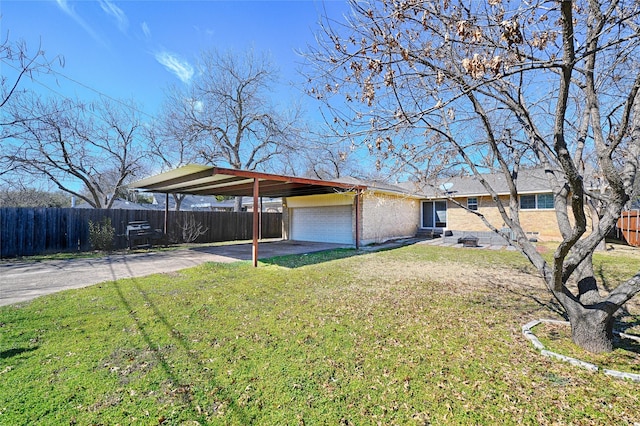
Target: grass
[557,338]
[417,335]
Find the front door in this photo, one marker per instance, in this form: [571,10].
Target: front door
[434,214]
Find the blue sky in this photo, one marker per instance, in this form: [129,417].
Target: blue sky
[135,49]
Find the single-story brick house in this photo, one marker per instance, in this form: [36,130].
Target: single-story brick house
[384,212]
[331,211]
[404,210]
[441,209]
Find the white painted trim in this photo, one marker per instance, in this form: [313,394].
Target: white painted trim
[322,200]
[435,228]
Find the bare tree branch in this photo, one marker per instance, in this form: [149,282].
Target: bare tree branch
[475,87]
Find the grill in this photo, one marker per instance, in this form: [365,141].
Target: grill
[141,234]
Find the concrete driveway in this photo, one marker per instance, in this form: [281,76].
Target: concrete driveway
[23,281]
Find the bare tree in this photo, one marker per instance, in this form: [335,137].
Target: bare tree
[17,64]
[170,143]
[87,150]
[31,197]
[324,159]
[24,64]
[228,113]
[496,86]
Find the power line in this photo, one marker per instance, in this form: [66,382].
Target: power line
[58,73]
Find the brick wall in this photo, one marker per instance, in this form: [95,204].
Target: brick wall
[386,217]
[541,221]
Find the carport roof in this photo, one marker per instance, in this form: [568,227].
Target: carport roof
[210,180]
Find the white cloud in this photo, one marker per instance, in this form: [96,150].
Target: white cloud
[68,9]
[196,105]
[115,12]
[173,63]
[207,31]
[64,5]
[146,30]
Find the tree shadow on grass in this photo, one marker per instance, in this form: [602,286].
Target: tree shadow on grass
[298,260]
[550,305]
[623,322]
[628,345]
[10,353]
[315,257]
[621,338]
[176,378]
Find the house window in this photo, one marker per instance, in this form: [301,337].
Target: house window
[527,202]
[545,201]
[441,214]
[538,201]
[472,203]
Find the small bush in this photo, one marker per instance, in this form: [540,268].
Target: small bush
[101,234]
[187,230]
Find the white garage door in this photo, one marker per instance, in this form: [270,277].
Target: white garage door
[330,224]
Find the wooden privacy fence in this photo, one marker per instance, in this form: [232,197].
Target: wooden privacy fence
[32,231]
[629,226]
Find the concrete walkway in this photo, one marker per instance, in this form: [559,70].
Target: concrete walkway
[23,281]
[450,243]
[487,241]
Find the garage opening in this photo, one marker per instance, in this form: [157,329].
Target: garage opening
[327,224]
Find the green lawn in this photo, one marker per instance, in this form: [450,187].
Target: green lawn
[417,335]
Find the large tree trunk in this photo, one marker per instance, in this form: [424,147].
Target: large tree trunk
[591,319]
[592,329]
[587,285]
[177,198]
[237,206]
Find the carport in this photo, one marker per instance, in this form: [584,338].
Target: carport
[209,180]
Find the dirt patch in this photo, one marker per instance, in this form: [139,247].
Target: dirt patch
[128,363]
[457,279]
[622,250]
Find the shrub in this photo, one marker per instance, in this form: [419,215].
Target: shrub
[191,229]
[101,234]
